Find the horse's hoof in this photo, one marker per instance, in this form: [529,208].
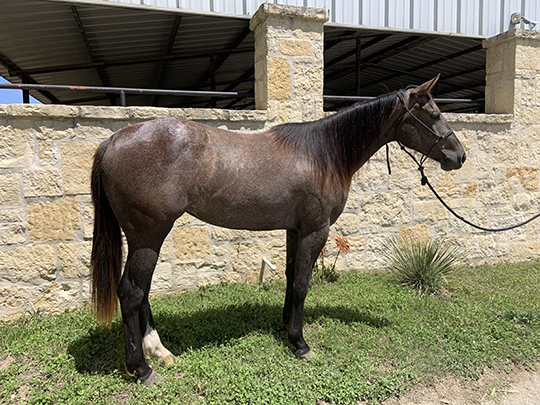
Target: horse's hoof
[167,361]
[152,379]
[304,353]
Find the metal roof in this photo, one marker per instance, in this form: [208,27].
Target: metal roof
[162,44]
[473,18]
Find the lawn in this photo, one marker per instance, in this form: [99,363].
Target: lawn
[372,339]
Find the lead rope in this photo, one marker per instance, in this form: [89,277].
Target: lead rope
[425,181]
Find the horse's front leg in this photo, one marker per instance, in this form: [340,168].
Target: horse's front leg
[292,248]
[308,249]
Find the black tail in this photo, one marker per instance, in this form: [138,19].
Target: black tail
[106,260]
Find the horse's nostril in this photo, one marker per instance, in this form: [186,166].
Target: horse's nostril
[463,158]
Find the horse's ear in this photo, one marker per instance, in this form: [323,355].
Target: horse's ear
[425,88]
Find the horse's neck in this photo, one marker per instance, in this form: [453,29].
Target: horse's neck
[361,143]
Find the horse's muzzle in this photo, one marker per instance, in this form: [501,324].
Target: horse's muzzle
[453,160]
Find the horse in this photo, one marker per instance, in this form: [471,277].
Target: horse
[293,176]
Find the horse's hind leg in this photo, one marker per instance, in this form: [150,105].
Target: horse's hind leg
[133,293]
[151,343]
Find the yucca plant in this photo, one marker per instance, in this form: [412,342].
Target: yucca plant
[420,264]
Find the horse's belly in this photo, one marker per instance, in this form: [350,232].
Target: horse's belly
[251,214]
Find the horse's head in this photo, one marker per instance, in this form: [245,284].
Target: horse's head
[423,128]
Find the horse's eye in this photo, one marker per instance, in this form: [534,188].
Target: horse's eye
[435,116]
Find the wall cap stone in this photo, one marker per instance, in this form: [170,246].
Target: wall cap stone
[123,113]
[284,11]
[468,118]
[510,35]
[126,113]
[43,110]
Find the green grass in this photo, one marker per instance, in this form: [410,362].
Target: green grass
[372,339]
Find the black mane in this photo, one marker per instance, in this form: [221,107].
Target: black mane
[336,143]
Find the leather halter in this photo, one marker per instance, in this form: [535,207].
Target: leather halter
[440,137]
[424,156]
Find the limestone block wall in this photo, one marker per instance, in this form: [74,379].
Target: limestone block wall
[496,187]
[289,61]
[46,213]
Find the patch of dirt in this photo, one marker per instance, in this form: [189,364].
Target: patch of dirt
[495,387]
[6,362]
[30,370]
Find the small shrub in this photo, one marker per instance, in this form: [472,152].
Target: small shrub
[420,264]
[323,273]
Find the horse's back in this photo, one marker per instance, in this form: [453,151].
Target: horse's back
[165,167]
[174,164]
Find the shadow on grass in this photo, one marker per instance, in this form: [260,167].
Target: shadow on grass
[101,350]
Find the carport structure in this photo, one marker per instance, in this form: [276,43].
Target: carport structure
[370,47]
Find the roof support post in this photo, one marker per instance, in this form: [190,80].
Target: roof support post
[25,93]
[212,79]
[289,61]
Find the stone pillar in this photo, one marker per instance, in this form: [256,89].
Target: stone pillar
[289,61]
[513,75]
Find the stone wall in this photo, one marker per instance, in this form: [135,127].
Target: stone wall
[46,213]
[46,153]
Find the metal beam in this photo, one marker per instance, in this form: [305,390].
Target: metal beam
[352,52]
[78,20]
[358,66]
[121,62]
[393,50]
[398,72]
[8,64]
[241,79]
[217,62]
[331,42]
[338,75]
[388,52]
[102,73]
[399,47]
[425,65]
[170,45]
[465,72]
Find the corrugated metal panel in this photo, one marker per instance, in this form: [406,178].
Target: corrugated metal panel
[475,18]
[400,18]
[469,18]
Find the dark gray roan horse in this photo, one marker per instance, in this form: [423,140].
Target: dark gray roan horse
[293,176]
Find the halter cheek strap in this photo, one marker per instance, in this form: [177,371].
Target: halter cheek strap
[402,99]
[424,156]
